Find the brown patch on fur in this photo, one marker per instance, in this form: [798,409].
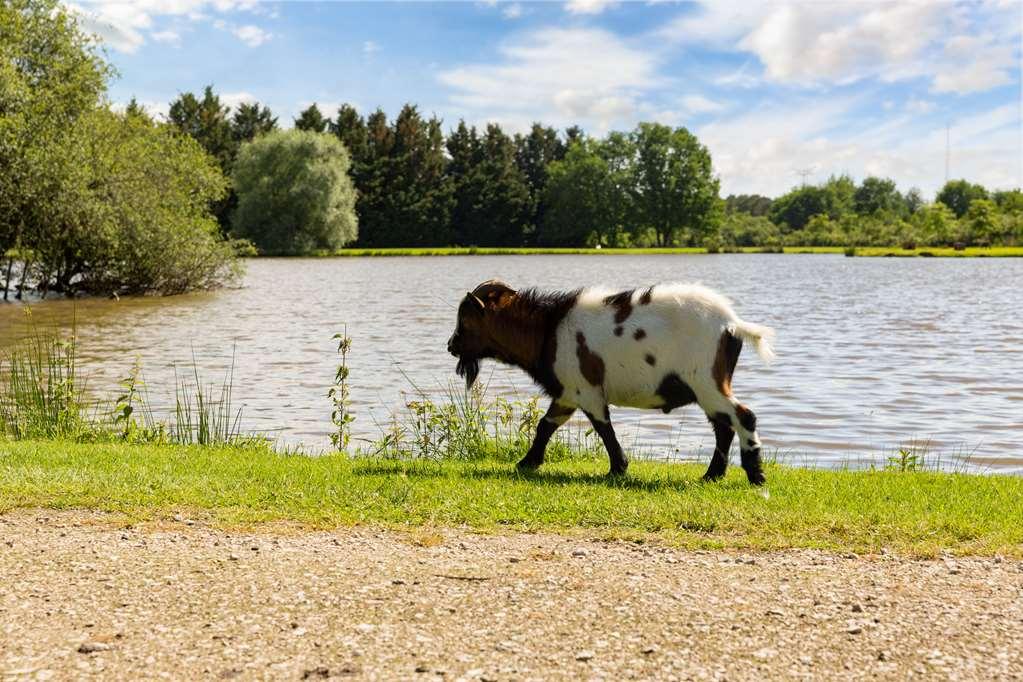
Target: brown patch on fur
[618,331]
[639,334]
[591,365]
[650,360]
[647,295]
[724,362]
[622,301]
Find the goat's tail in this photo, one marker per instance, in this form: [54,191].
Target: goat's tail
[760,336]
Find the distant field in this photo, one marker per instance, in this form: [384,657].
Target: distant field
[867,251]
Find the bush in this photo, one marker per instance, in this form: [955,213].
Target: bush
[294,193]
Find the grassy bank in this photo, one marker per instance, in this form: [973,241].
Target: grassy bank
[994,252]
[920,513]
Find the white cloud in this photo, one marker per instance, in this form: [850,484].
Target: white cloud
[233,99]
[561,76]
[588,6]
[760,150]
[961,47]
[124,26]
[698,104]
[513,11]
[369,47]
[251,35]
[919,106]
[155,108]
[169,37]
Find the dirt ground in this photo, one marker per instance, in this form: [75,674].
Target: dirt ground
[84,595]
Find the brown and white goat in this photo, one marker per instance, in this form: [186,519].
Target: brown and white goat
[658,347]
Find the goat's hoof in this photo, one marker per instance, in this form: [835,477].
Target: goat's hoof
[712,476]
[756,477]
[618,471]
[528,464]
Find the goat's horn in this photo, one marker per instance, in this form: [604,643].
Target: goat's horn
[491,287]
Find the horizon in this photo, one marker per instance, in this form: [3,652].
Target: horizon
[779,93]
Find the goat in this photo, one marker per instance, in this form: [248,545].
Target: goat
[661,347]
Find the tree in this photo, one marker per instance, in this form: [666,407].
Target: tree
[1009,201]
[753,204]
[492,202]
[982,223]
[533,154]
[580,199]
[251,121]
[410,204]
[914,200]
[876,195]
[294,193]
[959,194]
[134,218]
[792,211]
[935,224]
[674,188]
[51,76]
[351,130]
[206,121]
[311,119]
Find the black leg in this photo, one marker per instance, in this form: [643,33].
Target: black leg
[614,450]
[723,434]
[555,417]
[752,464]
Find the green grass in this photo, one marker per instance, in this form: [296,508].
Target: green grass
[997,251]
[918,513]
[943,252]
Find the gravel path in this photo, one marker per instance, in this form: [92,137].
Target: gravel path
[82,594]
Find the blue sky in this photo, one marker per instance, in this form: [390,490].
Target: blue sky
[772,88]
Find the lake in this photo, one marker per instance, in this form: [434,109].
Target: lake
[873,354]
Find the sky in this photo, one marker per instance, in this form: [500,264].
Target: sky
[778,91]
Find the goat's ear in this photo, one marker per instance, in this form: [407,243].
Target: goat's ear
[476,300]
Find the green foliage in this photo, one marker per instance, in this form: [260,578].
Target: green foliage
[51,75]
[406,196]
[753,204]
[341,415]
[877,195]
[674,188]
[792,211]
[584,205]
[251,121]
[294,193]
[492,202]
[959,194]
[311,120]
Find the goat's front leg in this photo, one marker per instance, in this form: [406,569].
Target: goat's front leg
[555,417]
[614,450]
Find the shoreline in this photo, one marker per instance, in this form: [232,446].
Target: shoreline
[860,251]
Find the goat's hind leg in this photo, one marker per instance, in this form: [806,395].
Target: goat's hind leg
[723,434]
[738,417]
[619,463]
[549,423]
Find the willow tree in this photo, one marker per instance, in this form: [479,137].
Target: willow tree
[294,193]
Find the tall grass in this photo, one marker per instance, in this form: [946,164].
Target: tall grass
[41,395]
[204,414]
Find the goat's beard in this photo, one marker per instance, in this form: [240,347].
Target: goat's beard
[469,368]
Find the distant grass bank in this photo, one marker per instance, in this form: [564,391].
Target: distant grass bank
[919,513]
[975,252]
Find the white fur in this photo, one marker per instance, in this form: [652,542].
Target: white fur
[683,325]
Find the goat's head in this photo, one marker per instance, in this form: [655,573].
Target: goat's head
[473,339]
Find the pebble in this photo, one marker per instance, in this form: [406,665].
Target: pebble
[584,655]
[579,551]
[649,649]
[856,608]
[92,647]
[854,629]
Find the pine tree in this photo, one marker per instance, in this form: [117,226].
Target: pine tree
[311,119]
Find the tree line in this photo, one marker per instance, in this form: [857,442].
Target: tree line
[652,186]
